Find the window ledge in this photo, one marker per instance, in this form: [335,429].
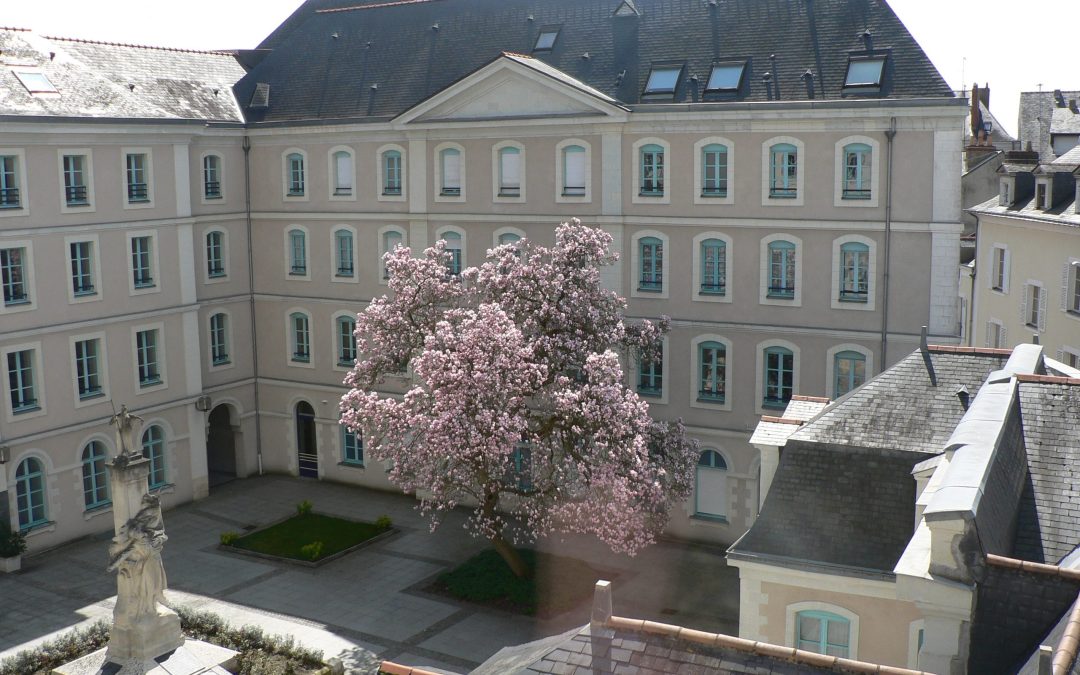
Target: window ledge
[26,409]
[40,528]
[150,382]
[17,303]
[774,405]
[642,289]
[650,393]
[711,401]
[1073,313]
[849,299]
[353,465]
[90,395]
[11,206]
[708,519]
[164,488]
[95,511]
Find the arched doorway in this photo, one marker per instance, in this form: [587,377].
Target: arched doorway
[221,446]
[306,450]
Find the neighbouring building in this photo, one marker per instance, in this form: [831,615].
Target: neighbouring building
[782,179]
[1050,121]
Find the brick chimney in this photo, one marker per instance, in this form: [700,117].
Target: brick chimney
[979,143]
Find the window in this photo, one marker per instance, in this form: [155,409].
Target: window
[1005,192]
[142,275]
[546,40]
[297,253]
[823,633]
[215,254]
[509,238]
[82,267]
[651,255]
[714,171]
[854,272]
[857,171]
[713,267]
[294,176]
[509,172]
[146,350]
[301,338]
[9,182]
[864,72]
[781,269]
[95,484]
[779,375]
[212,177]
[343,173]
[1070,288]
[20,367]
[453,247]
[346,341]
[450,162]
[35,83]
[663,80]
[999,280]
[75,180]
[1041,192]
[1033,307]
[153,448]
[352,447]
[390,240]
[391,173]
[88,368]
[219,339]
[14,277]
[30,494]
[710,487]
[783,171]
[652,170]
[138,184]
[712,362]
[573,175]
[519,469]
[725,77]
[343,253]
[849,372]
[995,334]
[651,374]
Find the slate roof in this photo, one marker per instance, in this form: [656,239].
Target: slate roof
[1063,213]
[1036,114]
[1064,121]
[313,75]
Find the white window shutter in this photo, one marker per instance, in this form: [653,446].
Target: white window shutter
[1003,337]
[344,171]
[1024,318]
[451,170]
[1008,271]
[1061,355]
[1066,268]
[511,168]
[575,169]
[1042,310]
[989,330]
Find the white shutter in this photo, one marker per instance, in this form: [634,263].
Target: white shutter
[510,160]
[575,169]
[1061,355]
[1042,310]
[1003,336]
[1024,305]
[1005,275]
[712,492]
[451,169]
[989,327]
[344,171]
[1065,269]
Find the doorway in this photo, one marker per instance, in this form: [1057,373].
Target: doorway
[221,446]
[306,450]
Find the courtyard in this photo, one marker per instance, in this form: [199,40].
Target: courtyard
[369,605]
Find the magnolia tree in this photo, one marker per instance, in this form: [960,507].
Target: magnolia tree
[517,404]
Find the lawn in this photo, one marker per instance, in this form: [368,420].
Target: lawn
[556,585]
[286,539]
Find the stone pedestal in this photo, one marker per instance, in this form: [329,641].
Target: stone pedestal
[193,658]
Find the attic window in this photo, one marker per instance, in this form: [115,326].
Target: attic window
[663,80]
[35,83]
[726,77]
[260,98]
[546,40]
[865,72]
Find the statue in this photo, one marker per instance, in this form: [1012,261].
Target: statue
[125,424]
[135,552]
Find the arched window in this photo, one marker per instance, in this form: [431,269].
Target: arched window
[823,632]
[212,177]
[573,171]
[713,267]
[651,255]
[783,171]
[343,253]
[779,377]
[153,448]
[391,240]
[652,170]
[509,238]
[297,252]
[781,269]
[30,494]
[854,272]
[301,337]
[509,172]
[95,484]
[453,247]
[714,171]
[849,371]
[651,374]
[346,340]
[391,168]
[712,360]
[219,339]
[857,167]
[215,254]
[343,173]
[294,166]
[710,489]
[450,158]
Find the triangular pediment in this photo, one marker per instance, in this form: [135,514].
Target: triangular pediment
[513,87]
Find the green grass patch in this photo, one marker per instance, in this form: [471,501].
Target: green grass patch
[556,585]
[310,537]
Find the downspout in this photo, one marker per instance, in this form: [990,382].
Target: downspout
[890,133]
[974,290]
[251,301]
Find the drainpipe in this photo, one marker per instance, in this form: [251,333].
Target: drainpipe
[890,133]
[974,289]
[251,301]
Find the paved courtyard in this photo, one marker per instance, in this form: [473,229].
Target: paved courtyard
[367,606]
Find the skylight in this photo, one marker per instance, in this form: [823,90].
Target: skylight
[663,80]
[546,39]
[725,77]
[35,83]
[864,72]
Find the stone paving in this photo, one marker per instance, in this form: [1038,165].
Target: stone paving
[364,607]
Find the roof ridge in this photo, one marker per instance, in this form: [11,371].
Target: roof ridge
[16,28]
[215,52]
[376,5]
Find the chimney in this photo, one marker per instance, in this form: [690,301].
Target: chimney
[808,79]
[868,39]
[1059,99]
[984,95]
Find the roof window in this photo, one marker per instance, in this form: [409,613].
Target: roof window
[546,40]
[35,83]
[725,77]
[865,72]
[260,98]
[663,80]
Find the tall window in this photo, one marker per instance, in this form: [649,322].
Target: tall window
[710,489]
[779,375]
[1001,269]
[215,254]
[453,247]
[153,448]
[849,372]
[20,367]
[854,272]
[1035,303]
[30,494]
[713,267]
[95,484]
[88,368]
[146,349]
[141,272]
[783,171]
[519,469]
[75,193]
[13,276]
[573,171]
[391,240]
[297,252]
[294,166]
[822,632]
[82,267]
[651,374]
[451,172]
[509,172]
[343,173]
[857,157]
[212,177]
[346,340]
[343,248]
[301,338]
[652,170]
[138,189]
[391,165]
[712,360]
[9,182]
[651,255]
[781,269]
[1072,287]
[219,339]
[714,171]
[352,446]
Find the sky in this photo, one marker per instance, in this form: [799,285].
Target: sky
[1011,44]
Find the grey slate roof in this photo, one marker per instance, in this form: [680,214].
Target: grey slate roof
[313,75]
[1065,121]
[1036,114]
[1063,213]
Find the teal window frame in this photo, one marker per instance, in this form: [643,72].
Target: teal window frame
[712,372]
[142,272]
[454,242]
[651,164]
[346,340]
[343,248]
[782,269]
[88,368]
[146,350]
[153,448]
[651,374]
[10,196]
[713,267]
[13,276]
[297,253]
[82,268]
[352,447]
[30,494]
[821,644]
[509,238]
[391,160]
[21,388]
[94,479]
[714,170]
[219,339]
[783,171]
[849,371]
[300,329]
[212,177]
[75,190]
[651,264]
[519,469]
[215,254]
[854,272]
[296,186]
[710,460]
[858,167]
[779,377]
[138,189]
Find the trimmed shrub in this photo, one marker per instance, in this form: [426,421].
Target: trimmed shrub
[303,508]
[227,538]
[383,522]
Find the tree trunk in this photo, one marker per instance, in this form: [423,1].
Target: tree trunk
[511,556]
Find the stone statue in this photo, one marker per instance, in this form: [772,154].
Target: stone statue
[126,427]
[135,553]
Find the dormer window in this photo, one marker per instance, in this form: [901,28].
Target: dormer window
[663,80]
[1005,192]
[865,72]
[725,77]
[1042,195]
[35,83]
[546,40]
